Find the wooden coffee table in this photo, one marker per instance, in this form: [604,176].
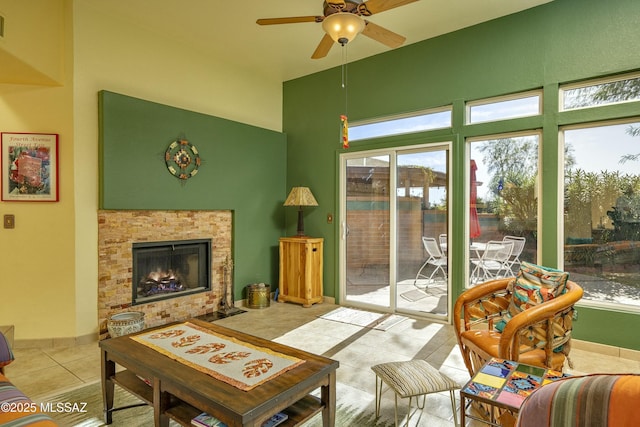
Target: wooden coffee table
[179,392]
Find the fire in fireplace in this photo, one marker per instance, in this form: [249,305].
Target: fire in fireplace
[169,269]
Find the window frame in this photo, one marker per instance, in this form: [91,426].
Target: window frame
[538,185]
[469,105]
[606,305]
[396,117]
[594,82]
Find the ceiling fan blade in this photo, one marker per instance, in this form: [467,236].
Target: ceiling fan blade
[323,48]
[382,35]
[370,7]
[290,20]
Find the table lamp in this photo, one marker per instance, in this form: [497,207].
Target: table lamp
[300,196]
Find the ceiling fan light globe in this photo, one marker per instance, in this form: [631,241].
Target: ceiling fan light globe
[343,27]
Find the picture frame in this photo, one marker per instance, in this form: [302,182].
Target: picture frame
[29,167]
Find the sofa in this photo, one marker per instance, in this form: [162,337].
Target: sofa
[15,407]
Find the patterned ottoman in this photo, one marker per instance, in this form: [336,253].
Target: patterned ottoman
[411,379]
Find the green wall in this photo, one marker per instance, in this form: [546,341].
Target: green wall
[243,169]
[562,41]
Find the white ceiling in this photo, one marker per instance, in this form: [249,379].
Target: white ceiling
[228,29]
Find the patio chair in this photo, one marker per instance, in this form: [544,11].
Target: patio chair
[435,258]
[518,246]
[537,334]
[493,260]
[443,243]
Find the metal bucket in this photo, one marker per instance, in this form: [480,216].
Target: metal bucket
[258,295]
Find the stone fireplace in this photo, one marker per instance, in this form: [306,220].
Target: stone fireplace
[119,231]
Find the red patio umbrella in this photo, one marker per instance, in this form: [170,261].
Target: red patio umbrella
[474,223]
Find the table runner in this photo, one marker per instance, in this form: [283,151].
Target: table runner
[225,358]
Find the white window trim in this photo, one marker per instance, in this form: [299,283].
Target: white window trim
[403,116]
[468,142]
[497,99]
[594,82]
[386,119]
[615,307]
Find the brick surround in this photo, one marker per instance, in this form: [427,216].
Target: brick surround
[119,229]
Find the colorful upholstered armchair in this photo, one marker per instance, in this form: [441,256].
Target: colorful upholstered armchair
[527,319]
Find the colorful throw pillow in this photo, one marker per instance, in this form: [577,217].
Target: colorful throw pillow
[6,356]
[534,285]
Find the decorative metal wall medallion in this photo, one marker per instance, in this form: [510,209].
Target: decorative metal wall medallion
[182,159]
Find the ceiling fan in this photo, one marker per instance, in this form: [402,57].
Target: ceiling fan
[344,19]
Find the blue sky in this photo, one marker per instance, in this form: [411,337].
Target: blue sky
[601,148]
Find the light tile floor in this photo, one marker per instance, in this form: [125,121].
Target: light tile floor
[43,372]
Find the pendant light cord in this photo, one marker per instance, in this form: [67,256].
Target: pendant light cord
[344,115]
[345,77]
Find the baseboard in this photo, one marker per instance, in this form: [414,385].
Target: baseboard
[243,302]
[55,342]
[605,349]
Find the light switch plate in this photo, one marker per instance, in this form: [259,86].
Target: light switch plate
[9,221]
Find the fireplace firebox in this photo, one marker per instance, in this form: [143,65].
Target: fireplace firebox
[169,269]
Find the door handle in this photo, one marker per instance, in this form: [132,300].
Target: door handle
[345,231]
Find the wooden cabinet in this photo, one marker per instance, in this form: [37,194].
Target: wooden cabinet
[301,270]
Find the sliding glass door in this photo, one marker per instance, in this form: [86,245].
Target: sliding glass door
[365,229]
[422,196]
[394,206]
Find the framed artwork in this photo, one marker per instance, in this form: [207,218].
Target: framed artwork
[29,167]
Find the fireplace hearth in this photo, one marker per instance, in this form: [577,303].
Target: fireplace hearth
[168,269]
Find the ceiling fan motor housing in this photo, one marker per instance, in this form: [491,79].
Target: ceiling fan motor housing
[357,7]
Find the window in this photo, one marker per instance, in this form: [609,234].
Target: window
[600,92]
[505,107]
[503,200]
[602,210]
[429,120]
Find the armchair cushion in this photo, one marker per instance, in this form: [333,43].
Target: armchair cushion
[487,342]
[534,285]
[6,356]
